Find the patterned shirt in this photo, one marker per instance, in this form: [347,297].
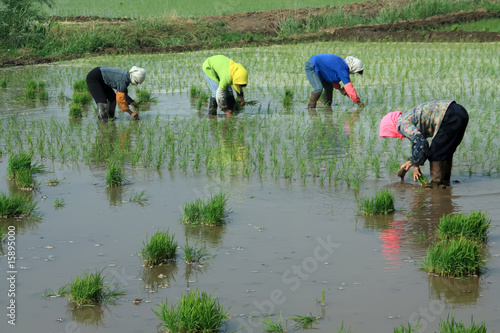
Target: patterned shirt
[419,123]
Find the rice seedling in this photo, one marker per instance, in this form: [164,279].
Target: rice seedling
[408,328]
[75,111]
[454,258]
[34,90]
[16,205]
[80,85]
[193,254]
[473,226]
[140,197]
[195,311]
[278,326]
[287,100]
[211,212]
[20,169]
[89,290]
[3,82]
[195,91]
[81,98]
[450,325]
[341,329]
[59,203]
[202,100]
[322,300]
[114,176]
[53,182]
[381,203]
[158,250]
[423,180]
[143,96]
[305,322]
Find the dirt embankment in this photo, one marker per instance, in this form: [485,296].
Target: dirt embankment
[268,23]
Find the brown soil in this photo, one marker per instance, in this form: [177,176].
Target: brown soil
[268,22]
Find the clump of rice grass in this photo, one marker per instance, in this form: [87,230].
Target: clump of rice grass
[80,85]
[451,325]
[195,311]
[409,328]
[81,98]
[35,90]
[59,203]
[454,258]
[473,226]
[305,322]
[143,96]
[322,300]
[279,326]
[89,290]
[195,91]
[16,205]
[211,212]
[158,250]
[423,180]
[139,197]
[193,254]
[53,182]
[3,82]
[287,99]
[202,100]
[75,111]
[20,169]
[381,203]
[114,176]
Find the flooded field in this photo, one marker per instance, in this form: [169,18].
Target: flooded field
[293,177]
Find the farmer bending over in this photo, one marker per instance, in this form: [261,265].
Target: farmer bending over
[220,73]
[444,121]
[102,80]
[326,71]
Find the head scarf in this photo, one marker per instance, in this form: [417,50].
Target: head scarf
[239,75]
[137,75]
[389,125]
[355,65]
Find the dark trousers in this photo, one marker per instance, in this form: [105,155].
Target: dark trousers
[450,134]
[100,91]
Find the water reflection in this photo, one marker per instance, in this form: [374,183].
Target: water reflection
[160,277]
[455,292]
[115,195]
[89,315]
[205,234]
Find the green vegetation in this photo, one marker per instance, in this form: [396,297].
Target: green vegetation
[143,96]
[3,82]
[193,312]
[75,111]
[287,99]
[381,203]
[454,258]
[16,205]
[193,254]
[491,25]
[450,325]
[211,212]
[35,90]
[409,328]
[59,203]
[89,290]
[20,169]
[279,326]
[305,322]
[161,248]
[114,175]
[473,226]
[140,197]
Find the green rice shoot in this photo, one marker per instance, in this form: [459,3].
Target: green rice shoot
[473,226]
[195,311]
[16,205]
[194,253]
[158,250]
[211,212]
[381,203]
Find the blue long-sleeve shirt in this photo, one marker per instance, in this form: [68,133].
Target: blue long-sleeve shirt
[331,68]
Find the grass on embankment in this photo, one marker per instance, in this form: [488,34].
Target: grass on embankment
[58,39]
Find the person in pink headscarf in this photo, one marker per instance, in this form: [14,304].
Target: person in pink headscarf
[444,121]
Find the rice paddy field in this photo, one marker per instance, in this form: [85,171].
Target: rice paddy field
[293,241]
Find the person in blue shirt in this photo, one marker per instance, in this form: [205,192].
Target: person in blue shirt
[325,71]
[102,80]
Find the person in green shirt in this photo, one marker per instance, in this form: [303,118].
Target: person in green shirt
[221,73]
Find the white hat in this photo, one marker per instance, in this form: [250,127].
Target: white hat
[137,75]
[355,65]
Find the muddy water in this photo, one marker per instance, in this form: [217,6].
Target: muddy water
[283,245]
